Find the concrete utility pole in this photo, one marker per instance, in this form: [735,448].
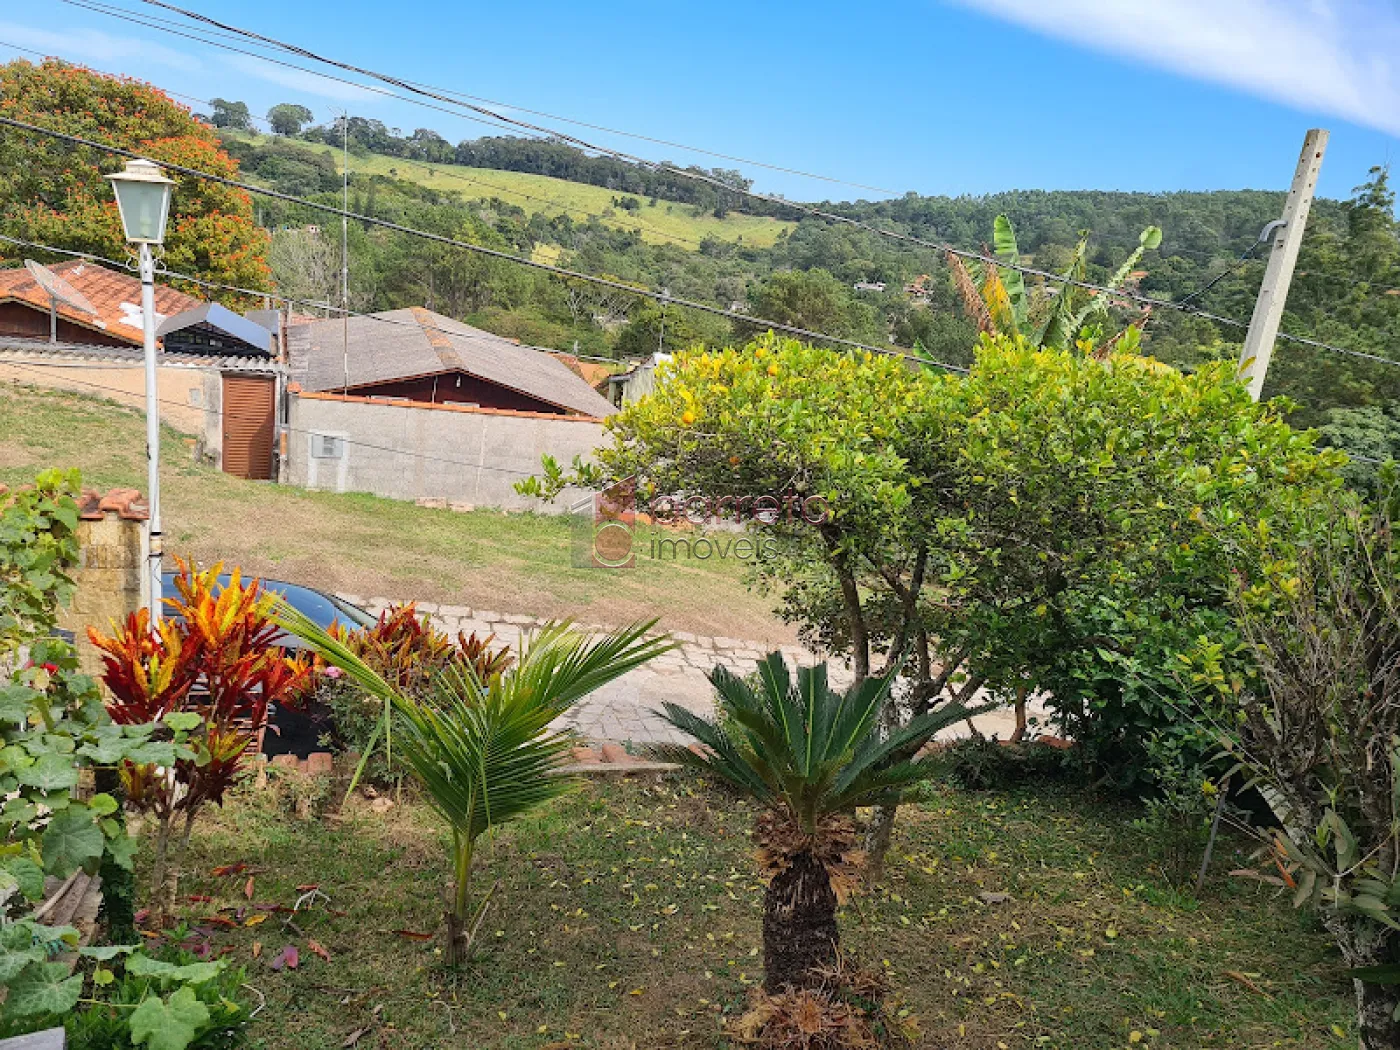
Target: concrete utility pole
[1273,293]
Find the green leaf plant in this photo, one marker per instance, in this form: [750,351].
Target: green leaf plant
[484,750]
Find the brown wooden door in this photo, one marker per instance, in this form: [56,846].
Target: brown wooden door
[249,426]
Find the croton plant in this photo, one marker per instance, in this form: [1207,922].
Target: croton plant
[207,672]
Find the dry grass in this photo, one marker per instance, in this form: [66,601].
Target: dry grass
[366,545]
[625,925]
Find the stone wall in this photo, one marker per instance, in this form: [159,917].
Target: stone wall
[110,575]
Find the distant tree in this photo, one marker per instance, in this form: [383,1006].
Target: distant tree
[815,300]
[670,328]
[288,118]
[1372,431]
[231,114]
[55,194]
[306,265]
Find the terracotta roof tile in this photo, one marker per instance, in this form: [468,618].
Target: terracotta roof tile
[128,503]
[115,295]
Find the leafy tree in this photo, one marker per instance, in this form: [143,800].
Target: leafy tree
[810,756]
[483,748]
[1038,526]
[658,328]
[54,193]
[231,115]
[817,301]
[286,118]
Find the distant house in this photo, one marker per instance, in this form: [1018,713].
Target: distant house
[418,355]
[628,387]
[410,404]
[24,306]
[218,376]
[869,286]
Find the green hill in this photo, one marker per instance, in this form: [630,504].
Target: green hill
[665,222]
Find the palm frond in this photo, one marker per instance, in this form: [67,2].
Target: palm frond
[801,744]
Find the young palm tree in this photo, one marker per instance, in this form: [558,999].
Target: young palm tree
[483,749]
[810,756]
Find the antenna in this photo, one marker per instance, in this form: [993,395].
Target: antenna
[59,291]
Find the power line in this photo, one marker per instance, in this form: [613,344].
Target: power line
[290,300]
[558,271]
[173,94]
[160,23]
[45,371]
[432,169]
[720,184]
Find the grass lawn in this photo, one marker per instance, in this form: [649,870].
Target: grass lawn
[366,545]
[669,222]
[628,916]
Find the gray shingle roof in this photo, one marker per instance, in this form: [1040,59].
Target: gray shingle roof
[418,342]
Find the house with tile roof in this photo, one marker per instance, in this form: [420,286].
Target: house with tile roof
[218,375]
[410,404]
[24,306]
[421,356]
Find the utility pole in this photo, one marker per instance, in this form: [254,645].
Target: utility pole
[345,251]
[1273,293]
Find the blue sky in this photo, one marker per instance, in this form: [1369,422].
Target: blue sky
[936,96]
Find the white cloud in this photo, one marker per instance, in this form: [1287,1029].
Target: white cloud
[299,80]
[1340,57]
[98,46]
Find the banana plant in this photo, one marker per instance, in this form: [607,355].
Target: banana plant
[996,296]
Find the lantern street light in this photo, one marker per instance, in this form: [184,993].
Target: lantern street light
[143,199]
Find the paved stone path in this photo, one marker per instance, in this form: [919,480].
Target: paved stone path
[623,711]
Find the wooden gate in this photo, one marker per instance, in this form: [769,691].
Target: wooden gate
[249,425]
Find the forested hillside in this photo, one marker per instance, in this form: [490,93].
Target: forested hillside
[701,238]
[1347,291]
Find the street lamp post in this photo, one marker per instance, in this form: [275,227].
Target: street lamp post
[143,199]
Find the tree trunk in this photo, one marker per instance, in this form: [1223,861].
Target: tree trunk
[1019,733]
[877,841]
[162,894]
[459,937]
[1366,943]
[799,925]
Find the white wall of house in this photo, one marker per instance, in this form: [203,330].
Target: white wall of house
[411,451]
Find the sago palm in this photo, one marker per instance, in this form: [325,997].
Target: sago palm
[810,756]
[483,750]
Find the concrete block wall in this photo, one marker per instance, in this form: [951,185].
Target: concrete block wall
[448,453]
[110,575]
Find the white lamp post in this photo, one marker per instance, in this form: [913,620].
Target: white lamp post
[143,198]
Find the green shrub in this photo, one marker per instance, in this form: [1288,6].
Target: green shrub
[1178,815]
[108,1026]
[979,764]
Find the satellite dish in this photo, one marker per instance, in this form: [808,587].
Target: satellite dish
[59,291]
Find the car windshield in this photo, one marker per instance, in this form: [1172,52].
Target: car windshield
[322,609]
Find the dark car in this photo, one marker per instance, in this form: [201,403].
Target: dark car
[298,732]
